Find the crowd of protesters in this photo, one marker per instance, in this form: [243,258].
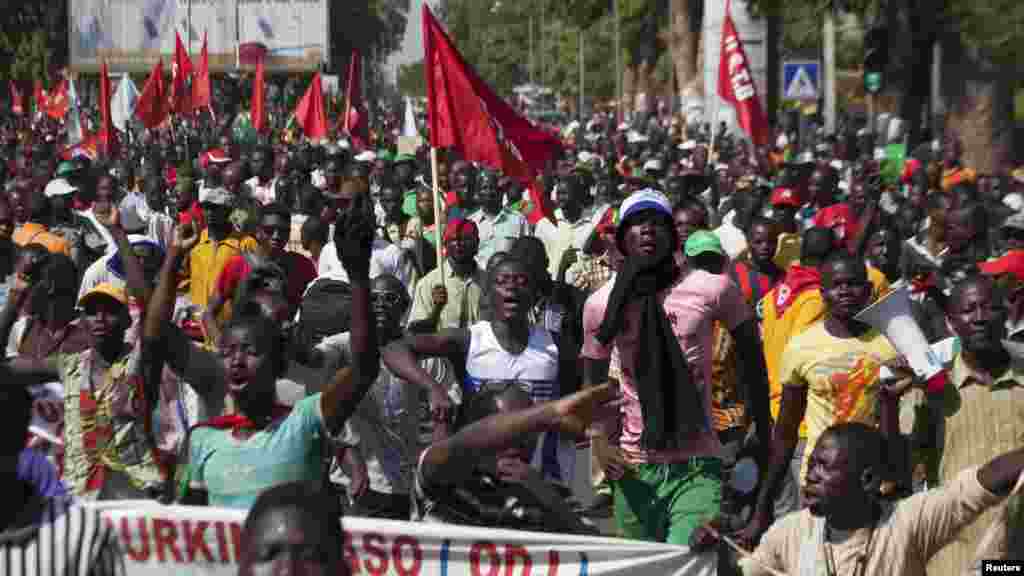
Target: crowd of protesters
[266,325]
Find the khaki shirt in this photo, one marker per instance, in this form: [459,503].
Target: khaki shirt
[907,536]
[977,419]
[464,294]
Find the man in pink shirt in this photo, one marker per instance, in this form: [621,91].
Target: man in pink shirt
[657,317]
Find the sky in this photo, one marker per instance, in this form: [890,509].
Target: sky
[412,45]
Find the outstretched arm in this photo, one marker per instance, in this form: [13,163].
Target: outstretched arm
[449,461]
[402,358]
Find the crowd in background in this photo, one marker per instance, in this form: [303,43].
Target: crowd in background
[200,320]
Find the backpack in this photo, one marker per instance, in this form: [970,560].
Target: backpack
[326,310]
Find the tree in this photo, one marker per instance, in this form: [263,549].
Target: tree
[33,38]
[411,79]
[981,42]
[374,27]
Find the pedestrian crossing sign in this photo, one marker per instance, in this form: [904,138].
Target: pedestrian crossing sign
[801,80]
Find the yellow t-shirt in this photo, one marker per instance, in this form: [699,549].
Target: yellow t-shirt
[776,331]
[207,260]
[841,376]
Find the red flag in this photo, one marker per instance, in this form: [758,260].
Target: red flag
[355,122]
[310,112]
[736,85]
[540,203]
[151,107]
[201,80]
[107,135]
[17,99]
[257,107]
[39,96]
[181,71]
[467,115]
[56,101]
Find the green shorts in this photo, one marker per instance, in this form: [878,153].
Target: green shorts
[667,502]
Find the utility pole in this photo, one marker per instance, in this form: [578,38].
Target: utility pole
[829,33]
[238,39]
[618,63]
[671,58]
[530,63]
[583,84]
[936,108]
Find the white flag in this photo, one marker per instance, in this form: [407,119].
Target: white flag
[409,127]
[75,132]
[122,105]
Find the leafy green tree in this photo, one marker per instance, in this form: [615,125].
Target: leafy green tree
[411,81]
[33,38]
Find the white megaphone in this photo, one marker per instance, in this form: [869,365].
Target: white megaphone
[891,316]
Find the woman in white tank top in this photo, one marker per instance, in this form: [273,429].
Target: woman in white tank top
[502,352]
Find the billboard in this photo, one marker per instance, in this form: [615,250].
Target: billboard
[131,34]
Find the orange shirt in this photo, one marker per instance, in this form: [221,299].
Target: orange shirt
[33,233]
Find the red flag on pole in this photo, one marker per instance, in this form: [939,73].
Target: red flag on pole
[355,122]
[39,96]
[181,71]
[107,135]
[257,107]
[17,99]
[151,107]
[310,113]
[57,100]
[736,84]
[465,114]
[201,80]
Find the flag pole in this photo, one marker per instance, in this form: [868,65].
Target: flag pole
[438,244]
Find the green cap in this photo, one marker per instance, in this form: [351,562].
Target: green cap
[66,167]
[409,203]
[703,241]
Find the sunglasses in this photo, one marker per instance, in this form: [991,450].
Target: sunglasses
[386,298]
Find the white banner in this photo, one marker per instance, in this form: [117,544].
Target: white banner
[189,541]
[131,34]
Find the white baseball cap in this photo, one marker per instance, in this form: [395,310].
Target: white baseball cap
[59,187]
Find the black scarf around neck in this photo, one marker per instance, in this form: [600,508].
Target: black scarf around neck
[672,405]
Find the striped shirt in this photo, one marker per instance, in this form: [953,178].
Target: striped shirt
[64,540]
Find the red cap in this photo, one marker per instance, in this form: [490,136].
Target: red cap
[910,167]
[215,156]
[783,196]
[1010,263]
[459,227]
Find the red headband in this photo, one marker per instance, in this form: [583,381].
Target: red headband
[458,227]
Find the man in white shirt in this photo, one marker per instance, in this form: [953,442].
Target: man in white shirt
[262,184]
[498,227]
[570,229]
[385,257]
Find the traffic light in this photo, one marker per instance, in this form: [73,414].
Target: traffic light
[876,56]
[876,49]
